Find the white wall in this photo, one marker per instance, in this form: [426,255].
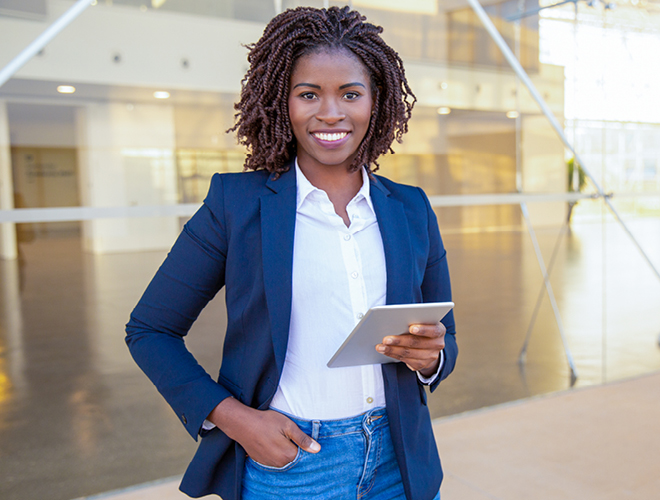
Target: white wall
[126,159]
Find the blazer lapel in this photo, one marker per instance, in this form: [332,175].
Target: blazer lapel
[278,221]
[394,230]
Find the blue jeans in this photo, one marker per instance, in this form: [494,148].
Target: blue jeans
[356,461]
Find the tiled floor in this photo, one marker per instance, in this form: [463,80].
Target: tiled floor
[77,418]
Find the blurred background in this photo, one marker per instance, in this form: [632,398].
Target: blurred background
[109,136]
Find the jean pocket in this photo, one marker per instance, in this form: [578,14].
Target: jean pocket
[270,468]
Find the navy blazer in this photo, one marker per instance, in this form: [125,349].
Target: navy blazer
[242,238]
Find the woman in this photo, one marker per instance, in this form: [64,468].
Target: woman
[305,245]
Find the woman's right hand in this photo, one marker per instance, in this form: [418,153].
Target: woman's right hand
[268,437]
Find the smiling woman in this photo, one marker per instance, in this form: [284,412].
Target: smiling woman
[306,244]
[263,123]
[330,108]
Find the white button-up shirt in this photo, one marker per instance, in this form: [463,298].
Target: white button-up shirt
[338,274]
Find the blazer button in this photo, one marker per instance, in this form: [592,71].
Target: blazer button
[184,419]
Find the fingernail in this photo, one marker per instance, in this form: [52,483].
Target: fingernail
[414,329]
[389,340]
[315,446]
[380,348]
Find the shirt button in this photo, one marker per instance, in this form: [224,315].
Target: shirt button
[354,274]
[370,400]
[347,237]
[360,315]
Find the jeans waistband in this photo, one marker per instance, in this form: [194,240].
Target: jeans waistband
[368,421]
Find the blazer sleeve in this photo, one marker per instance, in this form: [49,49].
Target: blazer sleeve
[188,279]
[436,287]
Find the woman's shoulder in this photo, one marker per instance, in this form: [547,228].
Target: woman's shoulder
[244,178]
[403,191]
[238,183]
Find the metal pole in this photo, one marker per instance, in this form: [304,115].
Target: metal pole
[522,74]
[532,12]
[523,352]
[42,40]
[551,295]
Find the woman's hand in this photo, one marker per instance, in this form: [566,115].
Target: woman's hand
[268,437]
[419,349]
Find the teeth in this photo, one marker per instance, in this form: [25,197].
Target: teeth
[330,137]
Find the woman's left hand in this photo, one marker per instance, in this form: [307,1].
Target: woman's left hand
[419,349]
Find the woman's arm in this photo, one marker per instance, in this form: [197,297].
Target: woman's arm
[191,275]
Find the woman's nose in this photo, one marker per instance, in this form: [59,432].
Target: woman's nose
[330,111]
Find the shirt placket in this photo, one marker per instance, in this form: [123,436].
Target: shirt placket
[357,287]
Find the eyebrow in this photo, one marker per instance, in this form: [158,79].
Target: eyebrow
[352,84]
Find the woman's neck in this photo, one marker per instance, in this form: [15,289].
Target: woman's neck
[340,185]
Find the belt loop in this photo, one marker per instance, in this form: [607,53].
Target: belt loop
[316,425]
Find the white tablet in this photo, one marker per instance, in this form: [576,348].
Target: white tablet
[380,321]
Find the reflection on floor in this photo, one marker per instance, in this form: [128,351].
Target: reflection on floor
[571,445]
[77,417]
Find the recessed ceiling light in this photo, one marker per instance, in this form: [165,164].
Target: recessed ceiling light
[444,110]
[444,85]
[512,114]
[66,89]
[161,94]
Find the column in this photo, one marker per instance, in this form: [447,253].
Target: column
[8,249]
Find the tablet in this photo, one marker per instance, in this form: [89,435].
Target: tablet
[380,321]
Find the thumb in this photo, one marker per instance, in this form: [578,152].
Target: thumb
[304,441]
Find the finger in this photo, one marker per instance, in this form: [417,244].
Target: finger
[415,342]
[434,330]
[406,354]
[405,339]
[303,440]
[414,359]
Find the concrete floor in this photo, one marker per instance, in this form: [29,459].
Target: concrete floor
[577,445]
[77,418]
[593,443]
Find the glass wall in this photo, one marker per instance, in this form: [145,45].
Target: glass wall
[115,128]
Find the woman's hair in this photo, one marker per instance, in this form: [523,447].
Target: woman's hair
[262,121]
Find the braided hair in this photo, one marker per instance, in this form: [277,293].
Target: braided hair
[262,120]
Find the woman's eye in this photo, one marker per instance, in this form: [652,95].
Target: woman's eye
[351,95]
[308,95]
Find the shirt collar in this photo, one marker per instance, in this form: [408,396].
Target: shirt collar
[305,188]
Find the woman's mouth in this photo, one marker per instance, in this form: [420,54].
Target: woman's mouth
[330,137]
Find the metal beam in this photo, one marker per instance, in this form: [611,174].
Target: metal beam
[533,12]
[522,74]
[42,40]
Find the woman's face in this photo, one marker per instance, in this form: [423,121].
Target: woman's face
[330,107]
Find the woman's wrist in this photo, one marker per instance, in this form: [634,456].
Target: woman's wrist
[231,416]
